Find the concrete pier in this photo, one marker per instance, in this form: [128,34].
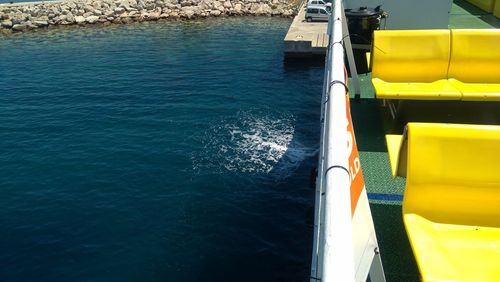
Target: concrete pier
[306,38]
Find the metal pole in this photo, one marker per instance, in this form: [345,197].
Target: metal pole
[338,257]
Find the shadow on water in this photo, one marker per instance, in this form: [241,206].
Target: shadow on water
[301,63]
[286,230]
[279,229]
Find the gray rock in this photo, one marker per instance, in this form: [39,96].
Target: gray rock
[41,23]
[34,13]
[79,19]
[263,9]
[70,19]
[119,10]
[17,19]
[227,4]
[19,27]
[92,19]
[154,16]
[6,24]
[237,7]
[189,13]
[215,13]
[126,20]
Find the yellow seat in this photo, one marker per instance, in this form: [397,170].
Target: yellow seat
[475,63]
[486,5]
[440,89]
[451,205]
[477,91]
[448,252]
[412,64]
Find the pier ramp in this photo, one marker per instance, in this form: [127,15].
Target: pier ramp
[305,38]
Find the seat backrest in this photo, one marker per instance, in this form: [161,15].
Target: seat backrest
[410,55]
[475,55]
[453,173]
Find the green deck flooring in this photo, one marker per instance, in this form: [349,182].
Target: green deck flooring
[372,121]
[465,15]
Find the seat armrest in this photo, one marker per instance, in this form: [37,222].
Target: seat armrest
[396,147]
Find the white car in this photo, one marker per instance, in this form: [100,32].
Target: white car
[317,13]
[318,3]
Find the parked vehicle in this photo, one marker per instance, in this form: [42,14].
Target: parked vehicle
[316,3]
[317,13]
[325,3]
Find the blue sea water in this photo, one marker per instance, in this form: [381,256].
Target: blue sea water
[169,151]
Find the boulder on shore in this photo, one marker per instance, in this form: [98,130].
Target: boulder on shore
[21,17]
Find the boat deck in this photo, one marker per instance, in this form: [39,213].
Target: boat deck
[372,122]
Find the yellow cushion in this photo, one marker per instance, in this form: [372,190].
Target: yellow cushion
[486,5]
[478,91]
[452,198]
[453,173]
[437,90]
[475,55]
[410,55]
[446,252]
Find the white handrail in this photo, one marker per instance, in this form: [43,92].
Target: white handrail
[333,257]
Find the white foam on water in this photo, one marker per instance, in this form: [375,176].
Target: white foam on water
[253,143]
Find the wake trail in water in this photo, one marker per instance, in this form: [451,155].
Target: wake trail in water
[253,143]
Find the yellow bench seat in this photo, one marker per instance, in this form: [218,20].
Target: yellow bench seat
[451,248]
[477,91]
[458,64]
[451,204]
[438,90]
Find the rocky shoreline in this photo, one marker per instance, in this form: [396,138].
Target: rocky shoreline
[32,16]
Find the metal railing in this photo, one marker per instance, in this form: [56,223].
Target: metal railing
[333,258]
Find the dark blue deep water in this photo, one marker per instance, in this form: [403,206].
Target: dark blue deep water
[174,151]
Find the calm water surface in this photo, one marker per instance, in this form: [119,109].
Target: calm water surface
[156,152]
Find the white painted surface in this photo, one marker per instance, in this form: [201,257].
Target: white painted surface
[344,243]
[364,240]
[338,260]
